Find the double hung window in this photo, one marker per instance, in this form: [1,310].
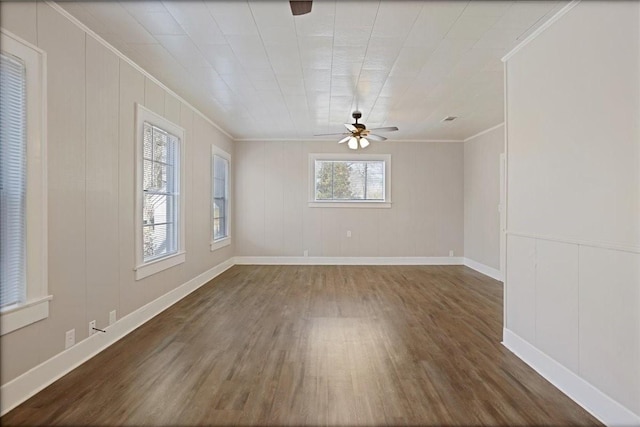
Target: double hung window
[220,204]
[23,191]
[159,213]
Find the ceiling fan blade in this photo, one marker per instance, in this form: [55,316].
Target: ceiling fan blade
[300,7]
[376,137]
[387,129]
[331,134]
[344,139]
[351,127]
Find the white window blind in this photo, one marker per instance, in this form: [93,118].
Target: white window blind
[160,207]
[12,180]
[220,197]
[349,180]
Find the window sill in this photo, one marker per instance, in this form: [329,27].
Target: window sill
[350,204]
[159,265]
[220,243]
[14,318]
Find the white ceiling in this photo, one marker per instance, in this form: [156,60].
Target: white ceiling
[261,73]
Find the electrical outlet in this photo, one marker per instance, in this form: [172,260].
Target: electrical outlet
[348,233]
[92,325]
[112,317]
[450,253]
[69,339]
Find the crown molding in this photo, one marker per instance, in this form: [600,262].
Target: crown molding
[484,131]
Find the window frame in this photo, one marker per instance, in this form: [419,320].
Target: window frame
[36,304]
[144,269]
[216,244]
[314,203]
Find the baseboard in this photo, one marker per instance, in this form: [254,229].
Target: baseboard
[484,269]
[598,404]
[31,382]
[293,260]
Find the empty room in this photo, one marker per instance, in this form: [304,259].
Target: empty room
[327,212]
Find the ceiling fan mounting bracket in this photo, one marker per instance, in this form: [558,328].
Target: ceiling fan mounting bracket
[356,115]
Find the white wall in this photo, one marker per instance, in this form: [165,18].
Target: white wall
[573,218]
[91,96]
[273,217]
[482,197]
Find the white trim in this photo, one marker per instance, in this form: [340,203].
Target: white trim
[349,204]
[504,226]
[540,29]
[580,391]
[427,140]
[221,243]
[313,157]
[144,269]
[591,243]
[484,269]
[293,260]
[26,385]
[337,139]
[128,60]
[158,265]
[483,132]
[19,316]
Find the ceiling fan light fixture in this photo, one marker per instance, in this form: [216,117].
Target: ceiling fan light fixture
[353,143]
[364,143]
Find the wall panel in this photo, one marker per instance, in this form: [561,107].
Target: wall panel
[102,230]
[274,218]
[573,144]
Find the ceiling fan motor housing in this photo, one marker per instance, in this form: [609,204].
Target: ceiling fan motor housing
[356,115]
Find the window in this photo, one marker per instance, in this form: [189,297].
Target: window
[23,210]
[160,229]
[220,207]
[341,180]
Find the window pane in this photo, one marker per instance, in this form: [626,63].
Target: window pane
[349,180]
[342,174]
[12,180]
[219,228]
[357,175]
[158,240]
[220,195]
[159,145]
[158,209]
[375,181]
[147,135]
[218,188]
[220,167]
[324,180]
[156,176]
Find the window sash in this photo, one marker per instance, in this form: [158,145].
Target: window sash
[160,172]
[362,184]
[220,198]
[13,181]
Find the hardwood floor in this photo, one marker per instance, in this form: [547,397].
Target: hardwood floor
[314,345]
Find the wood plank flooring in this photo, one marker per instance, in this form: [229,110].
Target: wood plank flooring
[314,345]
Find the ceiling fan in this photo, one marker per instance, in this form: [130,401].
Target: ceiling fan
[359,134]
[300,7]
